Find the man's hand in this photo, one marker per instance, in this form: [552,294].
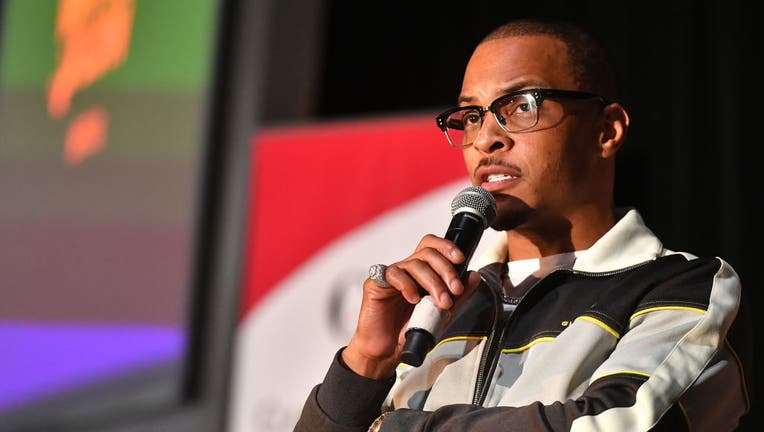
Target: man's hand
[375,348]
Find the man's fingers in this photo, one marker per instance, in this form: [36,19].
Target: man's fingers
[444,269]
[436,277]
[429,270]
[403,282]
[446,248]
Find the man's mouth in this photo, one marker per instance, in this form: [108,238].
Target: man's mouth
[493,178]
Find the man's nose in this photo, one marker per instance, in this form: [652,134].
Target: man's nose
[491,137]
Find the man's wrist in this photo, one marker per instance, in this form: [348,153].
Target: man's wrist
[366,367]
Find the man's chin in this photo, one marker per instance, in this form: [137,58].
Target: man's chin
[511,212]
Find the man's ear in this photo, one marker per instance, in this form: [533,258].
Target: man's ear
[615,124]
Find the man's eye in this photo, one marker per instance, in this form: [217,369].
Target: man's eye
[470,118]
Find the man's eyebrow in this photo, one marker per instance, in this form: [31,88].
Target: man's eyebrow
[466,99]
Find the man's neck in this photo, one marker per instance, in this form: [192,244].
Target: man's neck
[571,233]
